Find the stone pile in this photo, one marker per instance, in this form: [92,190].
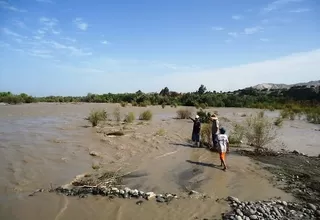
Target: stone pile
[273,210]
[112,192]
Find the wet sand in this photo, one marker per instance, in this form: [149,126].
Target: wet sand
[43,144]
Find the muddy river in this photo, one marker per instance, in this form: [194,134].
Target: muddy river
[44,145]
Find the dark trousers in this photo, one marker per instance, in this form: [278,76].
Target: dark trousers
[215,140]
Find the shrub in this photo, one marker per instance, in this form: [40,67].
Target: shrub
[163,105]
[259,131]
[161,132]
[203,105]
[123,104]
[144,104]
[130,117]
[116,114]
[134,103]
[313,116]
[184,113]
[97,116]
[206,134]
[146,115]
[278,122]
[204,116]
[236,135]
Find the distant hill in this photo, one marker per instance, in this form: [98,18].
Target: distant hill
[285,86]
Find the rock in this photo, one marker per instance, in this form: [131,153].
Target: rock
[284,203]
[150,195]
[114,190]
[238,211]
[317,213]
[139,202]
[253,217]
[127,190]
[94,154]
[311,206]
[160,199]
[234,199]
[134,193]
[121,192]
[238,217]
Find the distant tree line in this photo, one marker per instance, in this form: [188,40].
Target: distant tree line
[249,97]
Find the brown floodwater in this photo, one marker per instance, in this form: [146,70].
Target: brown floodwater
[48,144]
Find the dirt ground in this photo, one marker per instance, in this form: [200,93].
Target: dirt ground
[295,173]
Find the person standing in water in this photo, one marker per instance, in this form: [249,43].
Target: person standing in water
[196,130]
[215,129]
[223,147]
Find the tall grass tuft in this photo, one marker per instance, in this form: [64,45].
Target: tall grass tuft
[146,115]
[97,116]
[184,113]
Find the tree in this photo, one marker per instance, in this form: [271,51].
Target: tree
[165,91]
[202,89]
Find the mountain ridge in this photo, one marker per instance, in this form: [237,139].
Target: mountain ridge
[285,86]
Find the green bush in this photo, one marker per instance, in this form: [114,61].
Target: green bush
[146,115]
[203,105]
[163,105]
[260,131]
[206,134]
[134,103]
[204,116]
[97,116]
[278,122]
[236,135]
[130,117]
[184,113]
[313,115]
[123,104]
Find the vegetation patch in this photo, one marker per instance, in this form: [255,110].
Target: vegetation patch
[130,117]
[184,113]
[146,115]
[97,116]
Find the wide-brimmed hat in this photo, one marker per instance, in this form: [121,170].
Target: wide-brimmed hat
[214,117]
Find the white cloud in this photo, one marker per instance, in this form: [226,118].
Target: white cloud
[49,25]
[7,6]
[7,31]
[278,4]
[252,30]
[217,28]
[49,22]
[74,51]
[45,1]
[300,10]
[264,39]
[236,17]
[80,24]
[233,34]
[105,42]
[288,69]
[40,53]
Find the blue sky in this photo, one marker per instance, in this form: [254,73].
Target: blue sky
[55,47]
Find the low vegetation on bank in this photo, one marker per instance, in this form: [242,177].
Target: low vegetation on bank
[96,116]
[295,102]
